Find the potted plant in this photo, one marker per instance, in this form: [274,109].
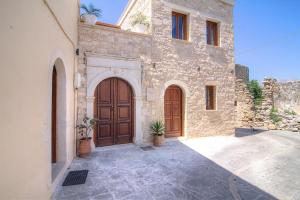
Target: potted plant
[90,14]
[158,131]
[84,131]
[140,23]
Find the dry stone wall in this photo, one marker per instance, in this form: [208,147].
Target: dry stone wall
[268,114]
[288,96]
[245,110]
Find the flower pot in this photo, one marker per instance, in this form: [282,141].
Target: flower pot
[85,147]
[89,19]
[158,140]
[140,28]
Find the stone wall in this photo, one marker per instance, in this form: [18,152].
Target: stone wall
[288,96]
[104,41]
[245,110]
[194,63]
[286,120]
[273,95]
[242,72]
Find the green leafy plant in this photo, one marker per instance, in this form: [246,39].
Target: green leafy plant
[256,92]
[157,128]
[290,112]
[91,10]
[274,116]
[84,128]
[140,18]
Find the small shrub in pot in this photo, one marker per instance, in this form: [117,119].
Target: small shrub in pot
[158,131]
[90,14]
[84,131]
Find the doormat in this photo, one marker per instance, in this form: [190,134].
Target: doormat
[147,148]
[76,178]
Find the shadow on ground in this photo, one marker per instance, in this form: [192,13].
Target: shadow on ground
[173,171]
[244,132]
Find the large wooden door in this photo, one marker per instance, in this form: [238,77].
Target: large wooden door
[114,109]
[173,111]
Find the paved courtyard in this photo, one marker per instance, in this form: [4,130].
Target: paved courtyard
[264,165]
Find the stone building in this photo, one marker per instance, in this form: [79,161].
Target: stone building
[178,68]
[242,72]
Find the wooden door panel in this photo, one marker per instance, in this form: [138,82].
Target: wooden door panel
[173,111]
[104,112]
[124,113]
[176,109]
[114,108]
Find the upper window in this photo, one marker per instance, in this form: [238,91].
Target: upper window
[179,26]
[212,33]
[211,98]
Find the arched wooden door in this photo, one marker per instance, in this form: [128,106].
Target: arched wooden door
[173,111]
[114,108]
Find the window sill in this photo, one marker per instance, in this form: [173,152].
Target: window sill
[181,41]
[211,110]
[213,46]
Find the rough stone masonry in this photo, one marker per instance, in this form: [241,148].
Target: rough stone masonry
[192,65]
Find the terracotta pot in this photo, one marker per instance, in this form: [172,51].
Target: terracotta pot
[158,140]
[84,147]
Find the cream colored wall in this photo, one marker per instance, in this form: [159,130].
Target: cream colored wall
[31,40]
[143,6]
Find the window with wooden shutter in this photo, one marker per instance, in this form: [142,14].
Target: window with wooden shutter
[212,33]
[210,97]
[179,26]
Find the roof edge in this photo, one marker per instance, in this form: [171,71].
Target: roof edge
[125,12]
[132,2]
[230,2]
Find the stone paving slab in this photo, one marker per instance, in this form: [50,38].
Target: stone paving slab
[260,166]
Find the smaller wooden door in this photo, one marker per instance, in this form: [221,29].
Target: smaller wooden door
[173,111]
[53,118]
[114,109]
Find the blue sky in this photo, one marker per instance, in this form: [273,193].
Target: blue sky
[267,34]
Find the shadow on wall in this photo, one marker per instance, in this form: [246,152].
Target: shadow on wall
[244,132]
[174,171]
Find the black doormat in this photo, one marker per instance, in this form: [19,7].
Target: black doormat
[76,178]
[147,148]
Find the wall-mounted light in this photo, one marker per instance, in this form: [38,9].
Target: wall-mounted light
[77,52]
[77,80]
[154,65]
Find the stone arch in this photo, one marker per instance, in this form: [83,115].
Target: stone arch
[185,95]
[109,74]
[180,84]
[136,88]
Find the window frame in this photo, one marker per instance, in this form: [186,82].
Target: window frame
[185,25]
[216,26]
[208,101]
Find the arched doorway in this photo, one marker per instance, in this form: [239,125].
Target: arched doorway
[58,125]
[53,116]
[113,106]
[173,111]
